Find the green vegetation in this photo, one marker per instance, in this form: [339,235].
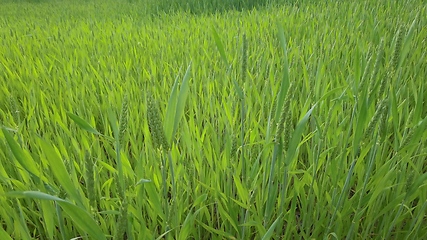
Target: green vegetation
[243,120]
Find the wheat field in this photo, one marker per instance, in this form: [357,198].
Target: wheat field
[236,119]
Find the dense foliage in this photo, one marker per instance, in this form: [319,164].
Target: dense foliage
[213,119]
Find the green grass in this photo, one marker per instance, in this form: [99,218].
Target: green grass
[242,120]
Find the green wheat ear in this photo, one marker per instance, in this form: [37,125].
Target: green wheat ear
[363,80]
[383,84]
[397,49]
[155,125]
[244,58]
[122,218]
[408,138]
[381,110]
[409,183]
[122,221]
[379,60]
[394,64]
[90,180]
[123,118]
[283,127]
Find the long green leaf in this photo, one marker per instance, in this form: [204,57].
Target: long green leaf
[285,79]
[270,231]
[83,220]
[4,235]
[113,123]
[220,47]
[182,97]
[59,170]
[171,111]
[48,212]
[296,136]
[176,105]
[24,160]
[79,216]
[216,231]
[407,42]
[82,123]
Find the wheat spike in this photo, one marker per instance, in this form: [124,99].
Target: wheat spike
[122,221]
[397,49]
[155,125]
[244,57]
[382,107]
[365,74]
[123,118]
[285,116]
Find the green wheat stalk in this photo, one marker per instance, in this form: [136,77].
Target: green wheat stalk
[242,122]
[277,152]
[161,145]
[123,122]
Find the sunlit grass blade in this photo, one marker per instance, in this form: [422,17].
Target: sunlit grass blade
[61,223]
[48,212]
[219,232]
[4,235]
[220,46]
[171,111]
[270,232]
[180,103]
[82,123]
[142,181]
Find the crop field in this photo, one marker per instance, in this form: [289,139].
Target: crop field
[232,119]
